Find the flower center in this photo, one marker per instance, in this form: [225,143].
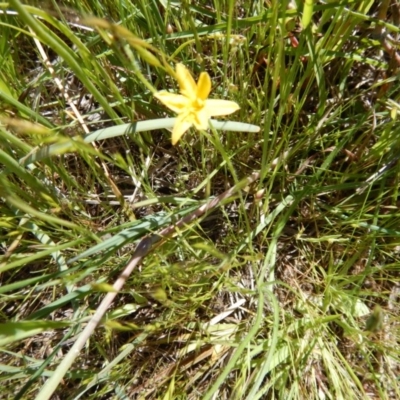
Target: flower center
[197,105]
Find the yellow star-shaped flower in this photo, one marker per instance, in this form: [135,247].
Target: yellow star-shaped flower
[192,105]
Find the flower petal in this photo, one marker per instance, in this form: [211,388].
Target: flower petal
[201,119]
[180,127]
[175,102]
[216,107]
[186,82]
[203,86]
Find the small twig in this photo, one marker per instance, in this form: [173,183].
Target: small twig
[145,246]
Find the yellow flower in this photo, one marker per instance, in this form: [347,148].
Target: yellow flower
[192,105]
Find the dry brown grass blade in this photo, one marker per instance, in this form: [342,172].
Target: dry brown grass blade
[191,360]
[145,246]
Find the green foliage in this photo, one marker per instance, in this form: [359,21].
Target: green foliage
[288,288]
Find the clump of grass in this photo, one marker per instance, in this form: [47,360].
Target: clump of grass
[286,287]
